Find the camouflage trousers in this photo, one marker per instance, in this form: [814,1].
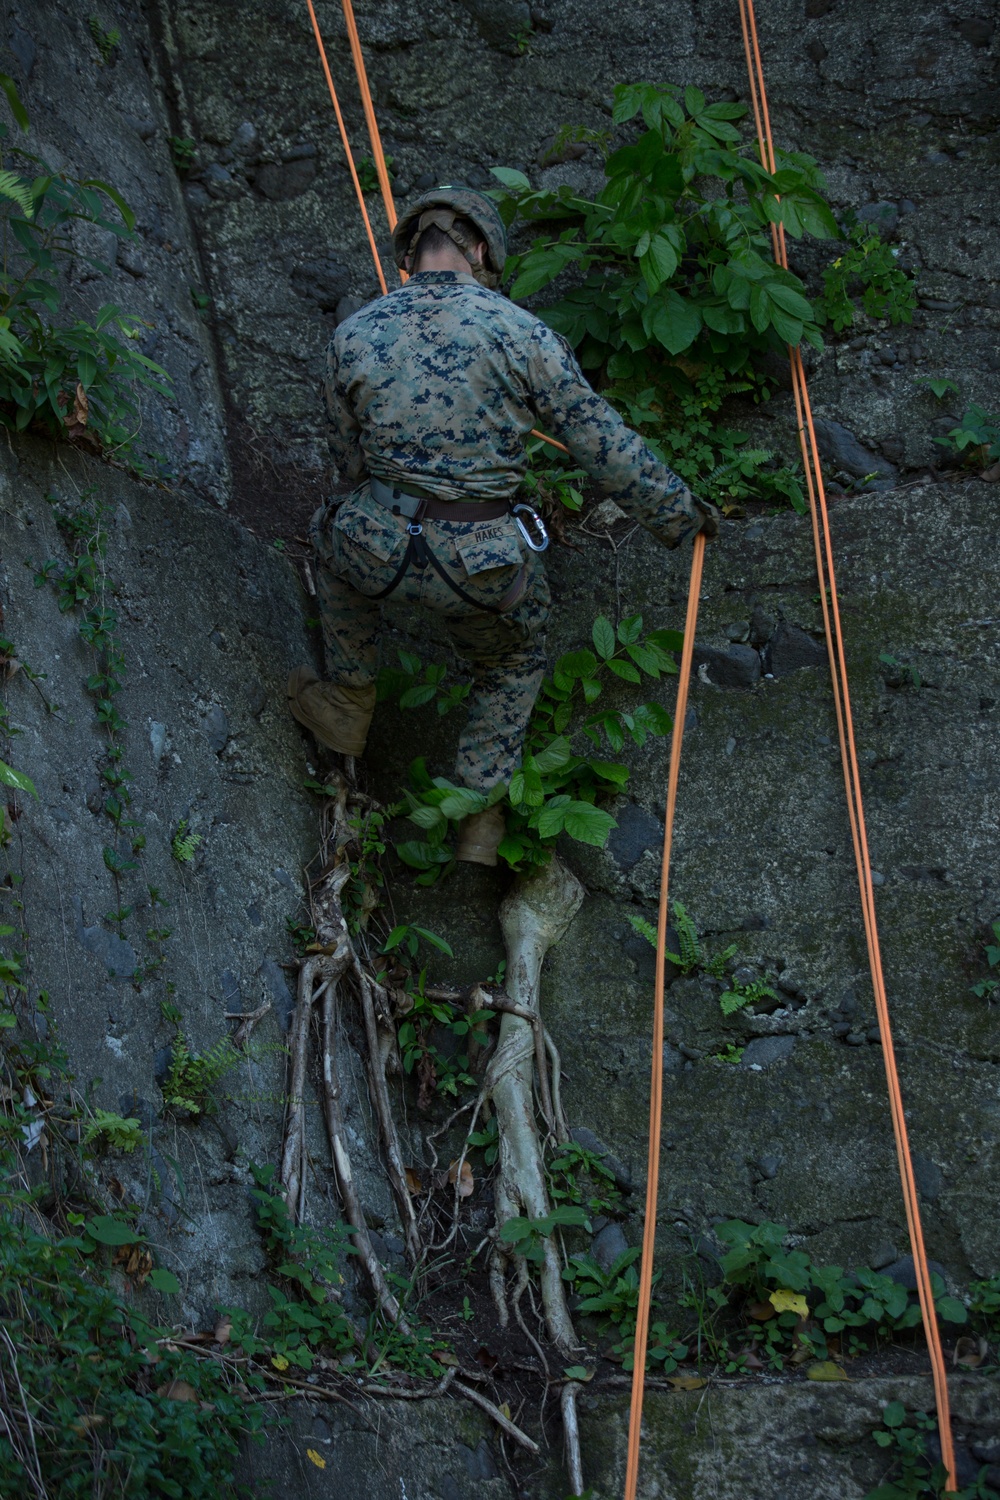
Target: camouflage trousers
[360,545]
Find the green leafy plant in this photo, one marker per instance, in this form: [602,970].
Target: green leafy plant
[73,379]
[740,995]
[986,988]
[191,1076]
[792,1302]
[407,937]
[869,269]
[984,1305]
[487,1140]
[692,954]
[526,1237]
[937,385]
[557,785]
[105,40]
[976,437]
[611,1296]
[903,670]
[730,1053]
[81,585]
[575,1174]
[182,153]
[184,844]
[368,173]
[107,1130]
[913,1474]
[441,1070]
[91,1390]
[675,296]
[305,1316]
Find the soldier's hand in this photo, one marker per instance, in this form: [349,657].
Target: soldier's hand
[710,518]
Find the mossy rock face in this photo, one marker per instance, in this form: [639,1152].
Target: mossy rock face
[763,859]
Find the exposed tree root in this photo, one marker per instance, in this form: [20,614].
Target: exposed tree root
[533,917]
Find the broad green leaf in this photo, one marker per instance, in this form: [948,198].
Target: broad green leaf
[672,320]
[629,629]
[588,824]
[577,664]
[658,263]
[645,659]
[694,100]
[511,179]
[604,637]
[164,1281]
[421,856]
[435,941]
[624,670]
[791,301]
[426,817]
[555,755]
[116,198]
[415,697]
[462,802]
[951,1310]
[16,779]
[108,1231]
[17,109]
[552,818]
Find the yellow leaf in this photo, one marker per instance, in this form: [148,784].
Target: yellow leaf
[279,1361]
[686,1382]
[505,1411]
[825,1369]
[785,1301]
[314,1458]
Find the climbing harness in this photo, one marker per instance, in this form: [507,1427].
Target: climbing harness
[418,554]
[849,757]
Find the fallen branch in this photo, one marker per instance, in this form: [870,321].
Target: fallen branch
[571,1434]
[503,1422]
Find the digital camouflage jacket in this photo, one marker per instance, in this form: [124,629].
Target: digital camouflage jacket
[439,383]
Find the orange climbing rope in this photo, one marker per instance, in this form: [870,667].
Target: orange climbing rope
[656,1080]
[855,806]
[852,780]
[347,146]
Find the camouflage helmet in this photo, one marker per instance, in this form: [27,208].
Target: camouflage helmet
[440,206]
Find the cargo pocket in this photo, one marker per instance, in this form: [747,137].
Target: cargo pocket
[365,524]
[495,544]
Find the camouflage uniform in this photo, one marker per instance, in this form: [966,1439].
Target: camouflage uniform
[436,386]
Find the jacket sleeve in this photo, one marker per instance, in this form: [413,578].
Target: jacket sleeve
[342,427]
[615,457]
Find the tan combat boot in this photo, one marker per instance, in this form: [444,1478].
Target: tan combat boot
[479,837]
[336,713]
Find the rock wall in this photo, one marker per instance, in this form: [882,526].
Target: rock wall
[897,103]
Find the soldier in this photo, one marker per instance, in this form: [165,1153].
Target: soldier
[430,392]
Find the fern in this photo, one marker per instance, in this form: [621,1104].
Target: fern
[184,845]
[692,953]
[746,994]
[733,1000]
[18,190]
[108,1129]
[191,1076]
